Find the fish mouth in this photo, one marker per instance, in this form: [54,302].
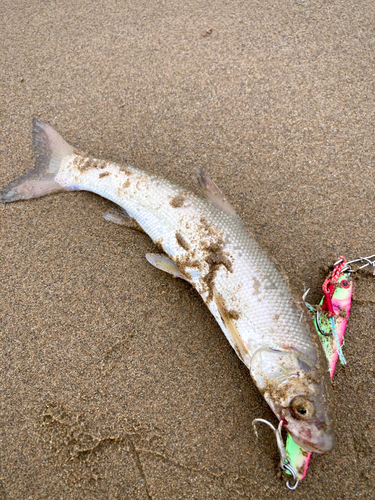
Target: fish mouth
[324,444]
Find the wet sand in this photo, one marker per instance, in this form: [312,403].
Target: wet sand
[116,382]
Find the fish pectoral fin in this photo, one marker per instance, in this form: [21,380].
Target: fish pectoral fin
[239,346]
[270,365]
[213,193]
[165,264]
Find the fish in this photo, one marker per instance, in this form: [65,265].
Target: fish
[203,241]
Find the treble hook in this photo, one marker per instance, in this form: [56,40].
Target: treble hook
[309,306]
[289,468]
[284,460]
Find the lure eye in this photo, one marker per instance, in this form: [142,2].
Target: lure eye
[302,408]
[345,284]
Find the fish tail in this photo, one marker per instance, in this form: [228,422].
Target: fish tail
[50,149]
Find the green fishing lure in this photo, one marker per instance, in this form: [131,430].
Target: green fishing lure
[330,319]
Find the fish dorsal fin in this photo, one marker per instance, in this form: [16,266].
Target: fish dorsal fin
[165,264]
[229,323]
[213,193]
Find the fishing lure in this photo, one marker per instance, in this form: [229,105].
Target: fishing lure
[330,319]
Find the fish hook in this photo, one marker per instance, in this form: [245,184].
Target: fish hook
[311,308]
[287,467]
[284,460]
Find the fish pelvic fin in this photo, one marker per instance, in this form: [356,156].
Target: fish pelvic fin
[229,323]
[50,149]
[213,193]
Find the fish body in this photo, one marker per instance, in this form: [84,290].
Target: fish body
[207,244]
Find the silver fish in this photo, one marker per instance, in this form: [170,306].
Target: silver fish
[204,242]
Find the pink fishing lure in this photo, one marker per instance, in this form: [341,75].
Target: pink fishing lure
[331,318]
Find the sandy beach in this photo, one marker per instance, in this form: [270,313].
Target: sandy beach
[116,381]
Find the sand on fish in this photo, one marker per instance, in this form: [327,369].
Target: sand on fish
[116,382]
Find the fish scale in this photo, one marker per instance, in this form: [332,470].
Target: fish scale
[148,200]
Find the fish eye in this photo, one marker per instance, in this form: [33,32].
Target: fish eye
[302,408]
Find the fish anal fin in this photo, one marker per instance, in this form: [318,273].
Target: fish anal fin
[229,322]
[213,193]
[122,218]
[116,218]
[165,264]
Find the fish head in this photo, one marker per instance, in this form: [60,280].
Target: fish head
[299,394]
[307,416]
